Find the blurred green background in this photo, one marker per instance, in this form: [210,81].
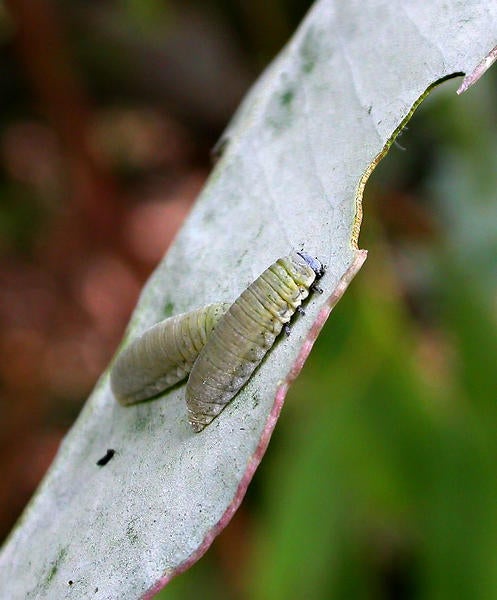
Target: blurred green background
[379,481]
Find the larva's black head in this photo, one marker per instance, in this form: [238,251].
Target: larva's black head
[314,263]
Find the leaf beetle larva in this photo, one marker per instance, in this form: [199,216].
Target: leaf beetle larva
[245,333]
[163,355]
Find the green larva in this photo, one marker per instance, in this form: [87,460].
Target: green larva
[245,333]
[163,355]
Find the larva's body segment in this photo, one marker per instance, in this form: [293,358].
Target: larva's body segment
[245,333]
[163,355]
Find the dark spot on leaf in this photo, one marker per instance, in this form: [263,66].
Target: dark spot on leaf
[101,462]
[280,109]
[309,51]
[132,533]
[56,564]
[287,97]
[168,309]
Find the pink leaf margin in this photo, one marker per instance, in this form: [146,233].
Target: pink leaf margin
[480,69]
[357,262]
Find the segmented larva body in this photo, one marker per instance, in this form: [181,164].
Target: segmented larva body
[245,333]
[163,355]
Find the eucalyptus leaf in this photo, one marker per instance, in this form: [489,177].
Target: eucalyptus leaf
[293,167]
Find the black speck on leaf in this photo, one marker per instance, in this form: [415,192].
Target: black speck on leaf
[101,462]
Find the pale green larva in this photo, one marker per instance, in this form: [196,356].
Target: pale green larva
[163,355]
[245,333]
